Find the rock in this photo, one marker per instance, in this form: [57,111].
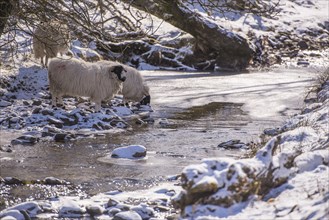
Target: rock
[112,202]
[36,110]
[57,122]
[161,208]
[272,131]
[26,103]
[303,63]
[70,209]
[144,211]
[30,209]
[207,184]
[37,102]
[164,122]
[62,137]
[127,215]
[302,45]
[95,210]
[12,181]
[11,215]
[25,139]
[47,112]
[6,148]
[114,211]
[233,144]
[68,121]
[53,181]
[130,152]
[4,103]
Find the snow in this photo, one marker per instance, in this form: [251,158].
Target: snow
[297,154]
[129,152]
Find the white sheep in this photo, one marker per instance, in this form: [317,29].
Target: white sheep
[134,88]
[73,77]
[49,39]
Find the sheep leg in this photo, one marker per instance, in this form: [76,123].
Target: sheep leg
[53,100]
[98,105]
[60,100]
[46,62]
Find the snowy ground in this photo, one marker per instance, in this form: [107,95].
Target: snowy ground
[295,159]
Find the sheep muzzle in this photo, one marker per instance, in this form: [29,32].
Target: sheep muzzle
[118,70]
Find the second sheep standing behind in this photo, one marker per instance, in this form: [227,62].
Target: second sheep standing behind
[134,87]
[49,39]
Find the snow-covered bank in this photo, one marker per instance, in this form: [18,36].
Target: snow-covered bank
[287,179]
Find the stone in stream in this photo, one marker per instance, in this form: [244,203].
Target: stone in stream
[129,152]
[233,144]
[53,181]
[60,137]
[25,139]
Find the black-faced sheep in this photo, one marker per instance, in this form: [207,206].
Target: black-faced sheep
[49,39]
[73,77]
[134,88]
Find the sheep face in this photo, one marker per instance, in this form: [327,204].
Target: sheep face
[119,72]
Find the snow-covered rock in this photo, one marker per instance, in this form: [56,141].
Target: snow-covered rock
[128,215]
[129,152]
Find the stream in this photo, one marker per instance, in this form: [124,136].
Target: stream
[193,113]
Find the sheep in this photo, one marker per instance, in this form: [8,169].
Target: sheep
[134,88]
[73,77]
[49,39]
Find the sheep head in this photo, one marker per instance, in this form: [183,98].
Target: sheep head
[119,71]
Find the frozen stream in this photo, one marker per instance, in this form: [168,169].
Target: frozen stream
[193,112]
